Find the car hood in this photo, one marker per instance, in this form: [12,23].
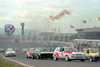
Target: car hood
[46,52]
[10,51]
[94,54]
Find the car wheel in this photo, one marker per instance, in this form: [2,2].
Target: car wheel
[27,56]
[33,57]
[55,58]
[91,59]
[38,57]
[66,58]
[82,60]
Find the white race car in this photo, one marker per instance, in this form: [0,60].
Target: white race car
[68,53]
[29,52]
[10,52]
[1,50]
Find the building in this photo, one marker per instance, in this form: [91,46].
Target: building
[89,33]
[62,37]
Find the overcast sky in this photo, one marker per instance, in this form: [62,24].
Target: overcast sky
[34,12]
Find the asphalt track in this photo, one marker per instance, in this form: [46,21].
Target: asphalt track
[21,57]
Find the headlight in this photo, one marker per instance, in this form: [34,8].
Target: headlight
[73,55]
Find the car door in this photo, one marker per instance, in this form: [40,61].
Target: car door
[61,54]
[56,52]
[87,52]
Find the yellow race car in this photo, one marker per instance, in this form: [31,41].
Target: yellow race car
[91,53]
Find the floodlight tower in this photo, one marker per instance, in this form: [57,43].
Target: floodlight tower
[22,24]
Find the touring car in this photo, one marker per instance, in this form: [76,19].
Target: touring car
[68,53]
[92,54]
[42,52]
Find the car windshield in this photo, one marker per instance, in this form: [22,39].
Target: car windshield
[44,49]
[24,49]
[94,50]
[10,49]
[32,49]
[71,49]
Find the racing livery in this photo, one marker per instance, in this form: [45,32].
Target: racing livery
[92,54]
[29,52]
[42,52]
[68,53]
[10,52]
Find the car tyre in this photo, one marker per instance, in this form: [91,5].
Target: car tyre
[67,58]
[91,59]
[55,58]
[27,56]
[38,57]
[33,57]
[82,60]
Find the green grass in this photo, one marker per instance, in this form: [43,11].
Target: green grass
[3,63]
[7,63]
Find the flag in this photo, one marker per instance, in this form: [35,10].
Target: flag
[84,21]
[98,18]
[71,26]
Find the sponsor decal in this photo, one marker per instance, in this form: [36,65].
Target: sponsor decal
[68,52]
[57,54]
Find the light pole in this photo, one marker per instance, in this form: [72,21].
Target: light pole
[22,24]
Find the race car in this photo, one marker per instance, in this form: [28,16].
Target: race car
[1,50]
[10,52]
[42,52]
[92,54]
[24,50]
[68,53]
[29,52]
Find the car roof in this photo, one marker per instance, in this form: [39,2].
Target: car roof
[65,47]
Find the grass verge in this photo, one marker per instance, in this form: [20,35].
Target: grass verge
[7,63]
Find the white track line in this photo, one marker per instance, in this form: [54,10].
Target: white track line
[17,61]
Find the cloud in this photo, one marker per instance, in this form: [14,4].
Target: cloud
[95,1]
[4,5]
[75,14]
[43,7]
[33,12]
[97,7]
[76,8]
[20,13]
[20,1]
